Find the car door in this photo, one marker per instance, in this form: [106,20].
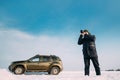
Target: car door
[33,64]
[45,63]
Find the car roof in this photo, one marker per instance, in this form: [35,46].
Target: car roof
[38,55]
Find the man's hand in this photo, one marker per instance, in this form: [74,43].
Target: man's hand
[82,34]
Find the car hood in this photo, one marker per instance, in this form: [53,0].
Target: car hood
[19,61]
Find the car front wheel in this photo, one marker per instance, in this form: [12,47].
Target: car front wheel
[55,71]
[19,70]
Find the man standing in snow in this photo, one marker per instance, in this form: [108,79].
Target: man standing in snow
[89,51]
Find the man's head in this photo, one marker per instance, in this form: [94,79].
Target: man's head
[86,31]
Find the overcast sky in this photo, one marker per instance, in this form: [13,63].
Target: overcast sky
[51,27]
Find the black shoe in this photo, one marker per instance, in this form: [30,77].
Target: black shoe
[98,74]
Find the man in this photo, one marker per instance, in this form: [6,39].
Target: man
[89,51]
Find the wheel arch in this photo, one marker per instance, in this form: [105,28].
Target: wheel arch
[53,66]
[20,65]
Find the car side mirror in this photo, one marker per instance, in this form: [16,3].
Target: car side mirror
[29,61]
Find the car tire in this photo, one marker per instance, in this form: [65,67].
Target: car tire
[54,71]
[19,70]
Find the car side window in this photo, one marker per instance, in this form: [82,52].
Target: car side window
[35,60]
[56,58]
[45,59]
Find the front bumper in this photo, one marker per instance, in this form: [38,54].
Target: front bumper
[11,68]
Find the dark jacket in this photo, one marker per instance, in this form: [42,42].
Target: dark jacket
[89,48]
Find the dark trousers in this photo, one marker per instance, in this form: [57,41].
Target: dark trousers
[95,64]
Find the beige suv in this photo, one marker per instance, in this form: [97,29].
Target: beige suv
[39,63]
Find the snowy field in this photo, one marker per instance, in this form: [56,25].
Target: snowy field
[64,75]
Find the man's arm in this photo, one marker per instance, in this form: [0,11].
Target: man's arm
[80,40]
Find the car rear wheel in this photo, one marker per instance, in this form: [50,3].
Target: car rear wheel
[55,71]
[19,70]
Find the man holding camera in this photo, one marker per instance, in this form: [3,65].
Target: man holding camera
[89,51]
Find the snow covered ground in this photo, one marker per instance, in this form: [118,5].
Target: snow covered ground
[64,75]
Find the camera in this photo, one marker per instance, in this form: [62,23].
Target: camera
[81,31]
